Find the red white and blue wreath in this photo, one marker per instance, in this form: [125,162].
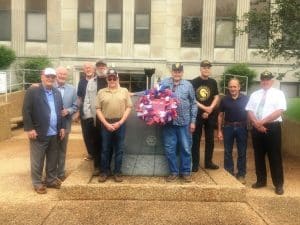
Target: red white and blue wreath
[157,106]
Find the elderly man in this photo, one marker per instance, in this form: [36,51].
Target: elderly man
[87,123]
[265,108]
[113,106]
[89,110]
[178,133]
[207,97]
[69,97]
[233,116]
[44,126]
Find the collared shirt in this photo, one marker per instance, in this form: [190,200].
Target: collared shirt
[234,109]
[52,130]
[62,90]
[187,107]
[113,103]
[275,100]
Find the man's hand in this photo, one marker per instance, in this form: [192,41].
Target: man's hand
[205,115]
[32,134]
[64,112]
[220,135]
[62,134]
[192,127]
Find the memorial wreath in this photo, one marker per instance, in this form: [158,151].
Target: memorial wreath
[157,106]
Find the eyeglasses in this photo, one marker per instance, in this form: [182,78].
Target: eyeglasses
[110,79]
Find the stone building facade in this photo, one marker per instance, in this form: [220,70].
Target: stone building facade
[71,32]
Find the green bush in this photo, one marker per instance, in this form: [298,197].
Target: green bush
[7,56]
[293,109]
[239,69]
[33,68]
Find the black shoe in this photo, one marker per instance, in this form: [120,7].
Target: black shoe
[258,185]
[279,190]
[211,166]
[195,169]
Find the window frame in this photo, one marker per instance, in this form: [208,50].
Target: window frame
[148,13]
[46,24]
[121,24]
[93,23]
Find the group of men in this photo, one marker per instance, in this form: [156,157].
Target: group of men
[201,108]
[104,107]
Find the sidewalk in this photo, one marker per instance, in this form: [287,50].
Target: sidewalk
[21,205]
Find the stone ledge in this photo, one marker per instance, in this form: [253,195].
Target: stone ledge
[207,186]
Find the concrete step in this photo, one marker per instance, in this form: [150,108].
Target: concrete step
[207,186]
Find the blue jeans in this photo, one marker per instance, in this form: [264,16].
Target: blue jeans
[112,141]
[178,137]
[239,133]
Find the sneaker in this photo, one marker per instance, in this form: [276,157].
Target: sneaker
[187,178]
[118,178]
[211,166]
[241,179]
[62,178]
[171,178]
[40,189]
[102,178]
[96,172]
[55,184]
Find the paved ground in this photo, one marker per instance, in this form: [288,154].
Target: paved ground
[19,204]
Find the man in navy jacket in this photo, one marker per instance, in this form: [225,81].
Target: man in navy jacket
[44,126]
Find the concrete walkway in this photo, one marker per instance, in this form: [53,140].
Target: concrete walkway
[19,204]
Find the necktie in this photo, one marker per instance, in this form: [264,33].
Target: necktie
[261,105]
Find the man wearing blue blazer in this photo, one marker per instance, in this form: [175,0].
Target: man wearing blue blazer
[44,126]
[69,97]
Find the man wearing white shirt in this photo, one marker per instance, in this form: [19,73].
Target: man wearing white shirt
[265,108]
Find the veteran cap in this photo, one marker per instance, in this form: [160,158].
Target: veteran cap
[266,75]
[177,67]
[205,63]
[49,71]
[112,72]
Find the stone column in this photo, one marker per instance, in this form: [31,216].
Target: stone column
[69,14]
[241,41]
[128,28]
[208,29]
[18,26]
[54,28]
[100,27]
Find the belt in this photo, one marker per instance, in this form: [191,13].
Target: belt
[113,120]
[236,124]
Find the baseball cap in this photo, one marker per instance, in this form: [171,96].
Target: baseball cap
[177,67]
[112,72]
[101,63]
[49,71]
[266,75]
[205,63]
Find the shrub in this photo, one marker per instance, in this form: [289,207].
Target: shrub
[33,68]
[241,70]
[7,56]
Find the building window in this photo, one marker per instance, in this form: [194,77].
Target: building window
[258,36]
[5,20]
[114,21]
[142,21]
[225,13]
[191,28]
[85,20]
[134,82]
[36,20]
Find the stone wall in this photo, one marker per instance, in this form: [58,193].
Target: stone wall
[9,110]
[290,137]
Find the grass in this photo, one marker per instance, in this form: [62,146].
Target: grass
[293,109]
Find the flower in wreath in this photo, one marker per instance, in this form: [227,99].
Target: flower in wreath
[157,106]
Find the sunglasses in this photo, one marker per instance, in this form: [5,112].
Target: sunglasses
[113,78]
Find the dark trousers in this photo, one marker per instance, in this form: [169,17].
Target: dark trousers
[209,126]
[268,143]
[92,139]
